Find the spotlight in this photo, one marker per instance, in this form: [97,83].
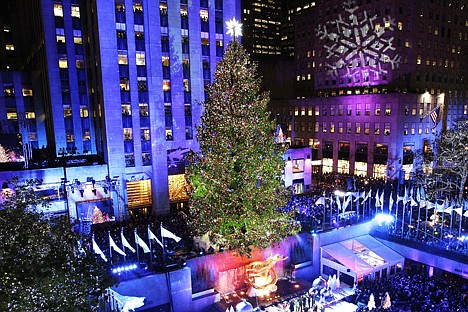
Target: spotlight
[383,218]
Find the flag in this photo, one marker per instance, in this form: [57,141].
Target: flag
[390,204]
[338,203]
[168,234]
[142,243]
[152,236]
[320,201]
[98,250]
[435,116]
[114,246]
[377,199]
[346,203]
[126,243]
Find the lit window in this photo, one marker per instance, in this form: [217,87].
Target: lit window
[63,62]
[10,47]
[418,61]
[377,109]
[166,85]
[86,136]
[126,110]
[128,134]
[400,25]
[58,10]
[358,127]
[75,11]
[12,115]
[80,64]
[140,58]
[123,58]
[204,15]
[60,39]
[84,113]
[27,91]
[124,85]
[186,85]
[165,61]
[145,134]
[30,115]
[67,111]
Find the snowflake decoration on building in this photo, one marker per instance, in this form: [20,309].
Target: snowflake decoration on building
[358,47]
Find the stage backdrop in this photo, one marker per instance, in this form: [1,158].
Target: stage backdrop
[95,211]
[225,270]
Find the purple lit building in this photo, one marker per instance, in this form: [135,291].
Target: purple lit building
[375,81]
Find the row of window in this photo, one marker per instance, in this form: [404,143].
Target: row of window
[330,127]
[315,110]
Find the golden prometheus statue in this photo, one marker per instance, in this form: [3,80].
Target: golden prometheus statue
[262,276]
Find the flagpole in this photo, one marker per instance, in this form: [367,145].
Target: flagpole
[151,249]
[123,246]
[461,219]
[137,249]
[110,248]
[168,275]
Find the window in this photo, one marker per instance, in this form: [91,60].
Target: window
[358,128]
[58,10]
[309,111]
[144,110]
[84,112]
[388,109]
[324,127]
[358,109]
[377,109]
[124,84]
[317,127]
[67,111]
[166,85]
[63,61]
[349,110]
[123,58]
[27,91]
[317,110]
[128,134]
[376,128]
[366,128]
[140,58]
[75,11]
[145,134]
[340,127]
[332,127]
[367,109]
[387,128]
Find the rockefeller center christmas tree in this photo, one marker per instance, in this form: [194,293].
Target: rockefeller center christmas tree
[236,184]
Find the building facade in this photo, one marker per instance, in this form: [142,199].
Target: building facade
[375,81]
[117,89]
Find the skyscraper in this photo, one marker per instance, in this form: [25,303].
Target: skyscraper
[119,83]
[369,75]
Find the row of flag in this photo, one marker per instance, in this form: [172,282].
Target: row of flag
[138,241]
[415,196]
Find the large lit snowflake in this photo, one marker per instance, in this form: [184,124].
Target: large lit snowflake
[358,47]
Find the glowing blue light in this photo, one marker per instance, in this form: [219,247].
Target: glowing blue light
[384,218]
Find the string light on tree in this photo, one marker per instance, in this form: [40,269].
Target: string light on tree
[234,28]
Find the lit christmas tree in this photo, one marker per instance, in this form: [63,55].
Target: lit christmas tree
[386,303]
[371,303]
[236,185]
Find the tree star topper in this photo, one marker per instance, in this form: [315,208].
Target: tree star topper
[234,28]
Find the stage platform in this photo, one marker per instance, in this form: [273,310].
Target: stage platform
[286,291]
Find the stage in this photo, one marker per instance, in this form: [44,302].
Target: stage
[286,292]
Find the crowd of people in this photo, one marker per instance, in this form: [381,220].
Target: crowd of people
[415,291]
